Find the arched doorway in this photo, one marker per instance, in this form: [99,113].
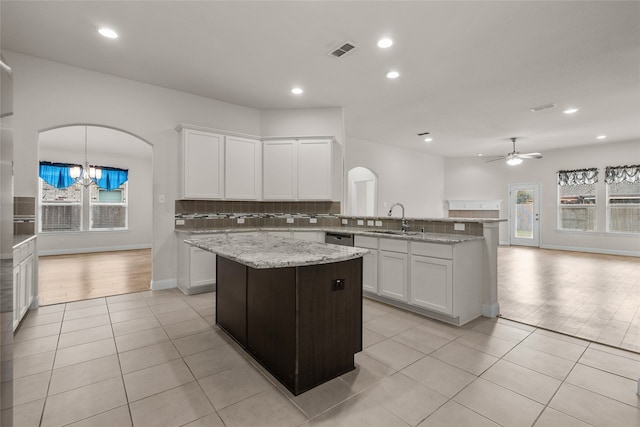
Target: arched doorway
[362,192]
[94,239]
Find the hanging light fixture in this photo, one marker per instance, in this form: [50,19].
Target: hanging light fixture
[85,175]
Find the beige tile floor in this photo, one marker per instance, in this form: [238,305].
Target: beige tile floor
[591,296]
[154,359]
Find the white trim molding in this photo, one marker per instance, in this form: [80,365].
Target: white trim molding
[159,285]
[592,250]
[90,250]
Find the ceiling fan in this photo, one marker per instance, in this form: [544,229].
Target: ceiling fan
[515,158]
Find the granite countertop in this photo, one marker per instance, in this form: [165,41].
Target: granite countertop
[266,251]
[22,238]
[412,236]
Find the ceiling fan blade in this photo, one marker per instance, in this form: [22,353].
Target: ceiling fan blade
[530,156]
[493,160]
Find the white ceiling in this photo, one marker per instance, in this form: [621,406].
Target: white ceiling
[470,71]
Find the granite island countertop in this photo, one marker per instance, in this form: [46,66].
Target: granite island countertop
[265,251]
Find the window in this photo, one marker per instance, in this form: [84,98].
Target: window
[62,199]
[60,208]
[108,208]
[577,199]
[623,199]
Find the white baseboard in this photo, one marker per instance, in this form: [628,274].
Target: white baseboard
[591,250]
[158,285]
[45,252]
[491,310]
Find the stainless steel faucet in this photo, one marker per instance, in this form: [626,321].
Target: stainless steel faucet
[405,223]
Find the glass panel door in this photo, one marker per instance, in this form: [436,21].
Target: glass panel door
[524,214]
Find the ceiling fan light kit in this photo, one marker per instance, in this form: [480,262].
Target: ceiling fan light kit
[514,158]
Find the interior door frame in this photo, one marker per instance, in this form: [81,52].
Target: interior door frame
[513,240]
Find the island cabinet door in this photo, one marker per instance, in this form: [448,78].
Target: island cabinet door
[231,298]
[329,320]
[271,320]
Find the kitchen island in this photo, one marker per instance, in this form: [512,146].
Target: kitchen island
[295,306]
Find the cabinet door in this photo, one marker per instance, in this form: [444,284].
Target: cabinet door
[393,275]
[29,279]
[16,296]
[279,174]
[243,168]
[432,283]
[202,268]
[370,272]
[202,166]
[315,170]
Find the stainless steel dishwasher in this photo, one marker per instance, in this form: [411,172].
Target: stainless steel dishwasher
[342,239]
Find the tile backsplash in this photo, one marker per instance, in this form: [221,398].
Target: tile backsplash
[24,215]
[204,214]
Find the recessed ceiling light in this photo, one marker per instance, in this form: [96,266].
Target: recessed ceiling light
[393,75]
[601,137]
[428,139]
[297,91]
[479,154]
[108,33]
[385,43]
[570,110]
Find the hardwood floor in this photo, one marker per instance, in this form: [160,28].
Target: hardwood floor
[66,278]
[586,295]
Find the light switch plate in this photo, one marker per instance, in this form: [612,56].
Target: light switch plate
[240,220]
[161,198]
[458,227]
[313,220]
[378,223]
[289,220]
[369,223]
[360,222]
[345,222]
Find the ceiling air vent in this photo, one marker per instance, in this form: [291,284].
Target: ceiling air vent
[342,50]
[542,107]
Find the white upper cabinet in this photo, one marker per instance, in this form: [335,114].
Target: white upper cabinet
[315,170]
[301,169]
[243,168]
[202,164]
[280,170]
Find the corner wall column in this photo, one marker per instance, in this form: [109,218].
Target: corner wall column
[490,306]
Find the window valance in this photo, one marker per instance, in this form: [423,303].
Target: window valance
[621,174]
[58,175]
[112,178]
[577,177]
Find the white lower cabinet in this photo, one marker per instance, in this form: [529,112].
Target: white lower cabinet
[24,279]
[393,274]
[439,280]
[196,268]
[432,283]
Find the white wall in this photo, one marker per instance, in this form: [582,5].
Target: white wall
[412,178]
[303,122]
[49,94]
[140,197]
[472,178]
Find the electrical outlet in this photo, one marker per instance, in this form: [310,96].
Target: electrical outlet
[313,220]
[337,285]
[458,227]
[369,223]
[378,223]
[289,220]
[179,221]
[240,220]
[345,221]
[360,222]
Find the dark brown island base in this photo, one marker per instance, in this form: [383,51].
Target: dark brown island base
[290,305]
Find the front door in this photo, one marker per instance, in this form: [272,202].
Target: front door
[524,214]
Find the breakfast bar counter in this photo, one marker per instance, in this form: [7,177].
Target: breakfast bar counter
[295,306]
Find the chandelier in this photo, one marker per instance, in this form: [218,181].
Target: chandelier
[85,175]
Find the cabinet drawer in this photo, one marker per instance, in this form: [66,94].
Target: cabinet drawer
[366,242]
[393,245]
[434,250]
